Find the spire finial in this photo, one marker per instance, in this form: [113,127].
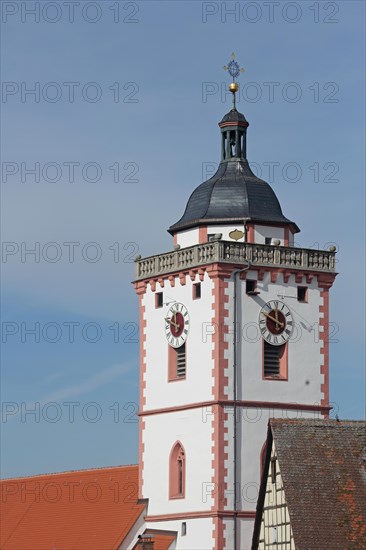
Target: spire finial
[234,70]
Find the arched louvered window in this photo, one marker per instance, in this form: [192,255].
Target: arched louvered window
[177,471]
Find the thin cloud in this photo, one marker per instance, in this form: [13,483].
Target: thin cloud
[97,380]
[106,376]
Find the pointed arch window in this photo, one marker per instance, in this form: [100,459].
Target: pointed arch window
[177,471]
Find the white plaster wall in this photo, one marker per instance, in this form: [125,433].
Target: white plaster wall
[263,231]
[189,237]
[193,428]
[198,384]
[229,533]
[198,537]
[304,358]
[229,338]
[229,391]
[245,528]
[225,230]
[229,462]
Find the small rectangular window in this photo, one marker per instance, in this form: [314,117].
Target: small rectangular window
[196,291]
[184,529]
[159,299]
[251,287]
[210,237]
[302,294]
[268,240]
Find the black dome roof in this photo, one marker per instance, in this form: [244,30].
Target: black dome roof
[234,116]
[234,193]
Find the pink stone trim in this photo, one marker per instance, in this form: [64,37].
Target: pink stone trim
[220,363]
[246,514]
[325,282]
[250,233]
[245,404]
[140,290]
[176,453]
[202,234]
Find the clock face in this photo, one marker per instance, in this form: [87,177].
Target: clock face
[275,322]
[177,325]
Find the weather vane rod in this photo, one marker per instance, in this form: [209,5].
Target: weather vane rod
[234,71]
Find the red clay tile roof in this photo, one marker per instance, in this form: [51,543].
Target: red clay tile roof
[323,467]
[162,539]
[79,510]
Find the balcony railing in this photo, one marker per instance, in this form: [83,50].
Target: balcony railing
[259,255]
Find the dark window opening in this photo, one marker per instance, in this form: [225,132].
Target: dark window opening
[272,356]
[180,475]
[181,361]
[273,470]
[232,145]
[268,240]
[302,293]
[251,287]
[159,299]
[196,291]
[184,529]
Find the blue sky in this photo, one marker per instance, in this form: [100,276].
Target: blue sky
[147,100]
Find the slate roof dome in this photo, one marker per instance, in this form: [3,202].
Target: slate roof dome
[233,193]
[234,116]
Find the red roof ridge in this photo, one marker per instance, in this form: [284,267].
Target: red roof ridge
[324,421]
[72,472]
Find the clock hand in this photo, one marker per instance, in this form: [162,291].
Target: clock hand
[276,315]
[171,322]
[273,319]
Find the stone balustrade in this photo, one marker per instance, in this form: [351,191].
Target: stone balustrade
[259,255]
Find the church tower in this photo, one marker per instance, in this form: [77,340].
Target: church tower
[234,324]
